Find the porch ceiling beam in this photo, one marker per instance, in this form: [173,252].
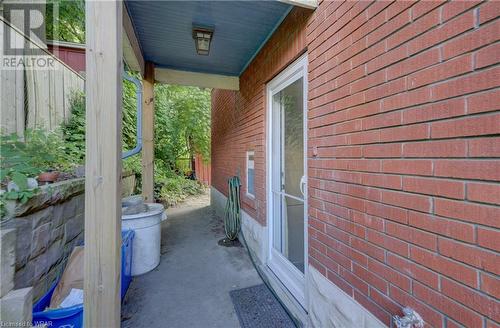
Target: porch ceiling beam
[309,4]
[104,66]
[132,52]
[204,80]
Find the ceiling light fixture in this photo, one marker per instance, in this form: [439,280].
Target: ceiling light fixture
[202,38]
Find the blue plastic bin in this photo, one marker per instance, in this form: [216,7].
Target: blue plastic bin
[73,316]
[127,253]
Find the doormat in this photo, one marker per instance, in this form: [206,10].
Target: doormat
[257,307]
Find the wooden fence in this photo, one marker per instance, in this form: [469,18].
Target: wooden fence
[35,97]
[203,170]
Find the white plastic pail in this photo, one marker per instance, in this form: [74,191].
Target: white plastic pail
[147,239]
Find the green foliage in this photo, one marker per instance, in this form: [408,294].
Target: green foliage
[65,20]
[169,188]
[22,196]
[182,117]
[15,159]
[182,128]
[182,123]
[175,189]
[129,117]
[134,164]
[74,129]
[40,151]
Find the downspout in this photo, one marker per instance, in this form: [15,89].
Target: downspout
[138,93]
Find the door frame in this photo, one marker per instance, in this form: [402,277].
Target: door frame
[290,276]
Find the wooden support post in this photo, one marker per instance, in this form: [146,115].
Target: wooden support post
[103,163]
[148,133]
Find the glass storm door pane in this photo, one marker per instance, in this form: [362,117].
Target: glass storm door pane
[287,173]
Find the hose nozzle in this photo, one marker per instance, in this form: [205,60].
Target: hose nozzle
[411,319]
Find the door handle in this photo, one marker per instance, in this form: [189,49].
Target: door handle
[302,184]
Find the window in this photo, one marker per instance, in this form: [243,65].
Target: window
[250,174]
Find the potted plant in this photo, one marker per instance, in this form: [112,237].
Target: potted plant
[49,176]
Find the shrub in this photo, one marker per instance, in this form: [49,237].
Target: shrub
[40,151]
[74,129]
[175,189]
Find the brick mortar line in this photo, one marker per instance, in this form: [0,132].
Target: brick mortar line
[429,84]
[465,182]
[409,259]
[369,32]
[435,46]
[475,224]
[414,106]
[439,25]
[409,125]
[430,87]
[429,139]
[451,179]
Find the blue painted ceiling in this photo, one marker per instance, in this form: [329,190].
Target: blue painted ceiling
[164,30]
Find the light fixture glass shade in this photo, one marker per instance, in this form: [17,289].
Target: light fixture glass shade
[202,38]
[204,44]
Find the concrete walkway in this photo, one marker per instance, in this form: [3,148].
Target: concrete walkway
[190,287]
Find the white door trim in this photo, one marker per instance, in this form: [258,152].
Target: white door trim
[291,277]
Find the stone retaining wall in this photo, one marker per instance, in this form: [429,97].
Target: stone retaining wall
[47,228]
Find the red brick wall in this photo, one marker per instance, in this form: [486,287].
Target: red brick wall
[404,147]
[238,119]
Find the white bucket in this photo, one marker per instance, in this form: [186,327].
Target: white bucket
[147,238]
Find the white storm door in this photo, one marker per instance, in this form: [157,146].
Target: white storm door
[287,210]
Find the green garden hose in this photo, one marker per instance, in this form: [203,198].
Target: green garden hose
[232,216]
